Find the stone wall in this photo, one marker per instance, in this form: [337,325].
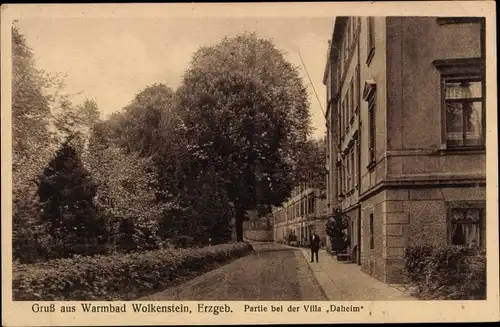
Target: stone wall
[406,217]
[258,235]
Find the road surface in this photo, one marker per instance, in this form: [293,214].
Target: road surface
[273,273]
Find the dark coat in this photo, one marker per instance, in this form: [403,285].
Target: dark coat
[315,243]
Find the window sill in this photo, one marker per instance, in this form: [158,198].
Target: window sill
[463,150]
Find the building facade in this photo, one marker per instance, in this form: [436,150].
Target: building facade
[302,214]
[406,134]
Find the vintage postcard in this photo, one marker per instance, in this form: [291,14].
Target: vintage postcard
[249,163]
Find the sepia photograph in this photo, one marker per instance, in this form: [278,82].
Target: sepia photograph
[334,158]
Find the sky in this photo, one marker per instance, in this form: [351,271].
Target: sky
[111,60]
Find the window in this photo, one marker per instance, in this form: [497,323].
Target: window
[370,96]
[356,90]
[343,118]
[342,59]
[348,108]
[353,172]
[342,177]
[339,178]
[349,174]
[346,49]
[371,133]
[344,165]
[356,164]
[463,102]
[372,241]
[339,75]
[348,35]
[339,124]
[310,204]
[353,27]
[334,83]
[466,226]
[464,111]
[371,39]
[352,99]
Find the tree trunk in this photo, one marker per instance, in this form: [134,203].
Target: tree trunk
[240,216]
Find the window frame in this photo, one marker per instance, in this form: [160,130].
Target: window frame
[372,110]
[467,205]
[351,89]
[370,96]
[339,123]
[445,101]
[461,69]
[349,175]
[370,44]
[356,90]
[372,236]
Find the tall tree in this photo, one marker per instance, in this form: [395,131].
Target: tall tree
[245,111]
[31,117]
[125,187]
[32,147]
[66,191]
[311,168]
[139,126]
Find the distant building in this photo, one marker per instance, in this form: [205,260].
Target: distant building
[406,134]
[302,214]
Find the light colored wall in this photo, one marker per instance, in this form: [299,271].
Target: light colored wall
[414,94]
[258,235]
[376,71]
[372,259]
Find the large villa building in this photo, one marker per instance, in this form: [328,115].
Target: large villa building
[405,136]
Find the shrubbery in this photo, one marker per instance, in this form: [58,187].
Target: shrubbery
[117,277]
[446,273]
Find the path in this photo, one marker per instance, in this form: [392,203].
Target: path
[273,273]
[344,281]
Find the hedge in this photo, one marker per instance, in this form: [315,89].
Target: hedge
[118,276]
[446,273]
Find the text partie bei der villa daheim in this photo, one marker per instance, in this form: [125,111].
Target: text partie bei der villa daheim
[190,308]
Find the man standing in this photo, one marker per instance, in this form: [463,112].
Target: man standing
[315,243]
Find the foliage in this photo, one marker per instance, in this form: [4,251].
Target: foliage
[446,272]
[66,192]
[32,144]
[245,113]
[137,127]
[125,190]
[190,196]
[38,126]
[119,276]
[335,229]
[311,164]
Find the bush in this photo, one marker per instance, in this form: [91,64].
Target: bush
[182,241]
[117,277]
[447,273]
